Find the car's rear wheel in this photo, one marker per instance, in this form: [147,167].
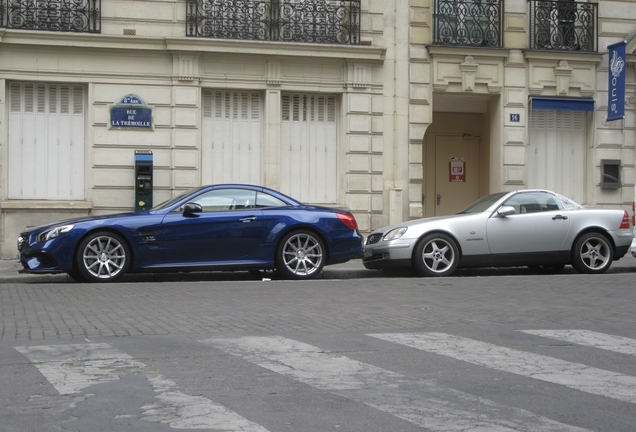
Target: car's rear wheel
[436,255]
[102,257]
[300,255]
[592,253]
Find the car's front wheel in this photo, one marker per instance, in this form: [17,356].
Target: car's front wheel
[436,255]
[592,253]
[102,257]
[300,255]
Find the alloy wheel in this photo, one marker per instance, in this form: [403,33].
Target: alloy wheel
[302,255]
[436,255]
[104,257]
[592,253]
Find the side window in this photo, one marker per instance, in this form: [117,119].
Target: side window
[225,200]
[533,202]
[264,200]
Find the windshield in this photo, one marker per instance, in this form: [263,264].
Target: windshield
[483,204]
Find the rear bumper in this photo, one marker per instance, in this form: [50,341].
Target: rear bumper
[620,251]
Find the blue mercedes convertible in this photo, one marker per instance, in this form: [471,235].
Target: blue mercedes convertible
[211,228]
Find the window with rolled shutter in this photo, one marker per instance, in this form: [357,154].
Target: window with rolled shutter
[231,136]
[309,143]
[557,152]
[46,141]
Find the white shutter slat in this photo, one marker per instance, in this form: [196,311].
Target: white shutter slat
[309,143]
[46,136]
[15,150]
[231,133]
[557,152]
[29,163]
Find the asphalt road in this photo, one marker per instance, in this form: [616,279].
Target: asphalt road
[494,350]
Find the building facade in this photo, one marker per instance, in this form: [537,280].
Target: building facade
[395,109]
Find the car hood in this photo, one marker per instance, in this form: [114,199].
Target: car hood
[81,219]
[422,221]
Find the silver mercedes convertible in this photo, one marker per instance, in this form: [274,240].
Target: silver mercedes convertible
[536,228]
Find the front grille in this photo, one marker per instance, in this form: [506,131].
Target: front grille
[377,257]
[373,238]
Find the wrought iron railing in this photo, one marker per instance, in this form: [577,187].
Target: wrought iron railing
[317,21]
[468,22]
[563,25]
[52,15]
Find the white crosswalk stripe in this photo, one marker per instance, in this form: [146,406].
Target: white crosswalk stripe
[73,368]
[602,341]
[424,403]
[540,367]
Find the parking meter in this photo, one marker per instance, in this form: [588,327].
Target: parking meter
[143,180]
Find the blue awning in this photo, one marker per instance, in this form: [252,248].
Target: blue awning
[558,103]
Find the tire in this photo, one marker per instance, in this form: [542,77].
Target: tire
[592,253]
[547,268]
[102,257]
[436,255]
[300,255]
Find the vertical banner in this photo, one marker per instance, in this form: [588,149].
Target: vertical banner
[616,94]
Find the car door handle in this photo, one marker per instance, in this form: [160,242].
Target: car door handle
[248,219]
[559,217]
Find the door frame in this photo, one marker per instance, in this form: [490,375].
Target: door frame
[470,125]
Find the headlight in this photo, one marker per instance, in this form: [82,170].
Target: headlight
[54,232]
[394,234]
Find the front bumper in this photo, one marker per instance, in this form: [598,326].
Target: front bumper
[39,263]
[388,255]
[51,256]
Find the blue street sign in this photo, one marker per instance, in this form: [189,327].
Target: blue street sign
[131,113]
[128,117]
[616,93]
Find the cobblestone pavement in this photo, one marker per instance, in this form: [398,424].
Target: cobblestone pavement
[36,308]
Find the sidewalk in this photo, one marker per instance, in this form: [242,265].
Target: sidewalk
[9,273]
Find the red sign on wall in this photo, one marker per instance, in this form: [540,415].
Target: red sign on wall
[457,171]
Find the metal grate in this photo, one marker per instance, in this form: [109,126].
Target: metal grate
[563,25]
[315,21]
[468,22]
[52,15]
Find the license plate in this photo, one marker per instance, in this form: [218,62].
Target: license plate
[367,253]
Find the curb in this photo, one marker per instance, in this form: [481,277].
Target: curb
[9,273]
[351,270]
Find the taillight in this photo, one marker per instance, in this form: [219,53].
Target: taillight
[625,223]
[348,220]
[634,213]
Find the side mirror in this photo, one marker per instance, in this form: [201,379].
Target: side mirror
[191,209]
[506,211]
